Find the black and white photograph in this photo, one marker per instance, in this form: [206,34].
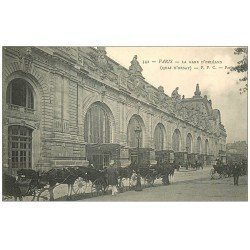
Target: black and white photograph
[124,123]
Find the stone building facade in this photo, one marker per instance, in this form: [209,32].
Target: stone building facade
[66,106]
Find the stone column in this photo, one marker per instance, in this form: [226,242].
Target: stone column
[80,118]
[183,139]
[58,103]
[149,132]
[65,104]
[123,129]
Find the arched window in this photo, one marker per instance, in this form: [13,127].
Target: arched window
[159,137]
[20,147]
[206,147]
[198,145]
[134,124]
[20,93]
[176,140]
[97,125]
[189,143]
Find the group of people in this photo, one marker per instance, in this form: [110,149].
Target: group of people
[237,169]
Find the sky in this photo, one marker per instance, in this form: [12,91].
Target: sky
[222,88]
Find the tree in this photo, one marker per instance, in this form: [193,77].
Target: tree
[242,67]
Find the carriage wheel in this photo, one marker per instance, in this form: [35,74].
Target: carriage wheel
[212,173]
[80,186]
[44,195]
[149,179]
[97,188]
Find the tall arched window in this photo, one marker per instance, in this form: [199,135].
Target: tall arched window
[198,145]
[20,93]
[189,143]
[206,147]
[159,137]
[97,125]
[134,124]
[20,147]
[176,140]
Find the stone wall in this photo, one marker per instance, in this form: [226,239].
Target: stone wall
[67,81]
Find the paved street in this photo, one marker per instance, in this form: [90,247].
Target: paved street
[187,186]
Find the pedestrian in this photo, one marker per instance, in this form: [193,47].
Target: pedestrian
[133,180]
[236,174]
[112,176]
[138,186]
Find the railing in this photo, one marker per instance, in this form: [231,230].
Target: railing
[21,109]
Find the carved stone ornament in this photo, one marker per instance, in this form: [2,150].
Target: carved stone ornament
[175,95]
[135,68]
[122,80]
[131,85]
[138,106]
[197,93]
[26,58]
[102,59]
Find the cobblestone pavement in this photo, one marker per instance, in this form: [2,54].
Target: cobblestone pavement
[187,186]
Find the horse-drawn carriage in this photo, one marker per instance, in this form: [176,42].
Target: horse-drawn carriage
[41,185]
[80,181]
[222,170]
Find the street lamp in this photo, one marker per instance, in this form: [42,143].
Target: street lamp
[138,182]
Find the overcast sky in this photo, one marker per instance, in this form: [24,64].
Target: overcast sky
[221,87]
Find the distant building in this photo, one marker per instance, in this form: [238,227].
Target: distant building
[66,106]
[238,147]
[236,151]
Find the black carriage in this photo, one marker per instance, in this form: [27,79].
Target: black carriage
[164,156]
[143,157]
[222,170]
[180,158]
[26,183]
[100,155]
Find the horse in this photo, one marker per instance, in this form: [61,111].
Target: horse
[56,176]
[124,173]
[166,171]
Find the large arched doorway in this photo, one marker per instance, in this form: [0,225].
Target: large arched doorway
[176,140]
[198,145]
[159,134]
[135,122]
[189,143]
[98,134]
[97,125]
[20,146]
